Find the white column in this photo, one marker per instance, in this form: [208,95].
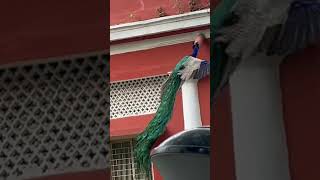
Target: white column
[191,106]
[259,138]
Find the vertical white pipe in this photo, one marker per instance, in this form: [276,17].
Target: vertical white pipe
[258,129]
[191,106]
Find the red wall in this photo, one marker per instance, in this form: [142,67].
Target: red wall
[36,29]
[155,62]
[150,63]
[124,11]
[222,157]
[300,83]
[41,29]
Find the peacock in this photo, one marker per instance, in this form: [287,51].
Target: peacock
[243,28]
[188,68]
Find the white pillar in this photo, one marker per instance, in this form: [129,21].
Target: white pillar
[191,106]
[259,138]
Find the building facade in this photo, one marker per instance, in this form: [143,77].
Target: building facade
[148,38]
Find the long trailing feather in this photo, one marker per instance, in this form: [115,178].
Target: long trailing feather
[219,58]
[157,125]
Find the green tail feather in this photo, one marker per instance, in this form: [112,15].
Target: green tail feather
[218,17]
[157,125]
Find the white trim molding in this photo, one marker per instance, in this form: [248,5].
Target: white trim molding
[155,42]
[160,25]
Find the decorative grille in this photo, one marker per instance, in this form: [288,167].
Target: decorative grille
[54,117]
[122,161]
[135,97]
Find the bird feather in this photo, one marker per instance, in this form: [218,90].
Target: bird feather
[273,27]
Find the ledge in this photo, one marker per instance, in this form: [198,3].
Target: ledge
[160,25]
[155,42]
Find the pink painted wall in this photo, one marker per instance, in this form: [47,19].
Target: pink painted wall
[124,11]
[300,83]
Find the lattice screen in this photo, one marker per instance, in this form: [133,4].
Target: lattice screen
[54,117]
[122,161]
[135,97]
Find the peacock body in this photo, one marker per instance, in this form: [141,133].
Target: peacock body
[157,125]
[187,68]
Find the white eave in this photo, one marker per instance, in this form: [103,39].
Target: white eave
[156,42]
[160,25]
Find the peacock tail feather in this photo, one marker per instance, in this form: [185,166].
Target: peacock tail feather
[157,125]
[219,58]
